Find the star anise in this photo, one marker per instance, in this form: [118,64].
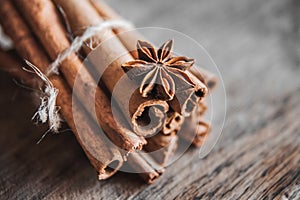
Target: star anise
[157,70]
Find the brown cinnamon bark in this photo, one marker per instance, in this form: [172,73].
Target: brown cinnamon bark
[147,116]
[187,100]
[145,167]
[81,14]
[94,144]
[129,39]
[45,23]
[105,158]
[162,147]
[209,78]
[195,129]
[196,136]
[202,107]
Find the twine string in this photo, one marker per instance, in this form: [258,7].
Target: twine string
[79,41]
[48,111]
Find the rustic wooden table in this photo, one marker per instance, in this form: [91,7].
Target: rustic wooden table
[255,43]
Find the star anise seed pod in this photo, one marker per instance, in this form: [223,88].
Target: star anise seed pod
[157,69]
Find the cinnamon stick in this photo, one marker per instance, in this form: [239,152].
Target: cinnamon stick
[129,39]
[162,147]
[195,129]
[196,136]
[187,99]
[81,14]
[94,144]
[43,19]
[145,167]
[209,78]
[106,159]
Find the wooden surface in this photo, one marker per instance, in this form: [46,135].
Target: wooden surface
[256,45]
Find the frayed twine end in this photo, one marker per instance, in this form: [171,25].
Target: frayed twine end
[47,111]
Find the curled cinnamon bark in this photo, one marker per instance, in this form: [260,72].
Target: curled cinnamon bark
[188,98]
[162,147]
[145,166]
[45,23]
[196,136]
[98,150]
[172,123]
[195,129]
[81,14]
[202,107]
[148,117]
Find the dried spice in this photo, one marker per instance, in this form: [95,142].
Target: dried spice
[139,109]
[188,97]
[158,71]
[168,95]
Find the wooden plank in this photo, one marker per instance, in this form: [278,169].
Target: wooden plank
[255,44]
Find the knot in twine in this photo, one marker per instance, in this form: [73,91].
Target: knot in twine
[48,111]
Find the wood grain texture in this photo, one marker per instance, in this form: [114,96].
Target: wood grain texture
[256,45]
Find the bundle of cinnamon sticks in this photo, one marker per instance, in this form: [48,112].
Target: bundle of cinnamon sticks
[167,102]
